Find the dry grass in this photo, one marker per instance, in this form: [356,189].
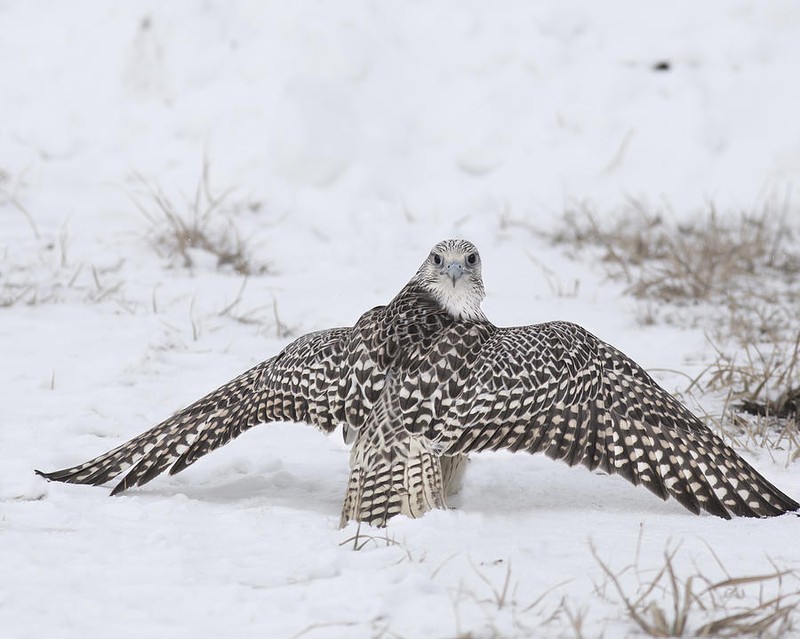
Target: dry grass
[734,276]
[42,268]
[361,540]
[10,196]
[709,259]
[495,594]
[766,379]
[52,276]
[669,604]
[203,225]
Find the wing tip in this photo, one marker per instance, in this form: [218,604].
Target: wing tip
[66,475]
[120,487]
[789,507]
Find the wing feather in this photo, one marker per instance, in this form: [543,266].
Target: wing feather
[583,401]
[299,384]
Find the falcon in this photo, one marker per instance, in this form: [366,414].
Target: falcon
[422,382]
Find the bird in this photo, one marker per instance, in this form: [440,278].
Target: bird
[424,381]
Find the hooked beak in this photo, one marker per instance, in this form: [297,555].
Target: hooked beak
[454,270]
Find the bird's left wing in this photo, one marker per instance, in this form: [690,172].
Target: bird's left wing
[303,384]
[556,388]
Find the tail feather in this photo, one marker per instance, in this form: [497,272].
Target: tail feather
[453,468]
[383,484]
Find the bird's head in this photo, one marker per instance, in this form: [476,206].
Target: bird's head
[452,274]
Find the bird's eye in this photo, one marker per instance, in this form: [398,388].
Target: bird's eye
[472,258]
[437,259]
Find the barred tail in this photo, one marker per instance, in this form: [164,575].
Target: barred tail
[385,483]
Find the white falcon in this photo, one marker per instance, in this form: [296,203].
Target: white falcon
[425,380]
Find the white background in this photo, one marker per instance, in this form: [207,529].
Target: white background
[354,136]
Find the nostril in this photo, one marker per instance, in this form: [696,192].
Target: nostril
[454,270]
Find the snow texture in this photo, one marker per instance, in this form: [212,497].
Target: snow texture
[354,136]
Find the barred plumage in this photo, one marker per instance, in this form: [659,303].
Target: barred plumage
[424,381]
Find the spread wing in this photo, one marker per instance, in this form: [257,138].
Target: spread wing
[557,389]
[301,384]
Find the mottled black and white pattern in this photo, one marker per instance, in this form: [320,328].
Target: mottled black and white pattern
[422,382]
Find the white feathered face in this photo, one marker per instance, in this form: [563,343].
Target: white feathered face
[452,273]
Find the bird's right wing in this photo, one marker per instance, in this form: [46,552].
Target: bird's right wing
[301,384]
[556,388]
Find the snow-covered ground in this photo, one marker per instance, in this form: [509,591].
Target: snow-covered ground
[354,135]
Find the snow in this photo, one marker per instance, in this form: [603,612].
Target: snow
[354,135]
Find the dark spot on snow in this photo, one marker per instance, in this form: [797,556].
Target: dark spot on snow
[662,65]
